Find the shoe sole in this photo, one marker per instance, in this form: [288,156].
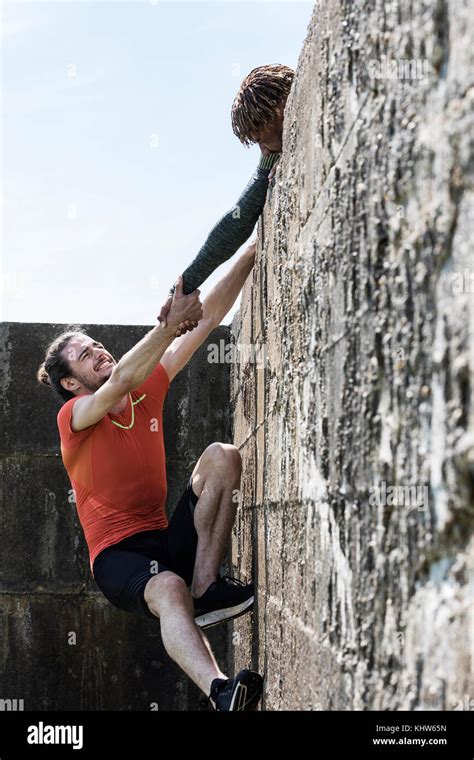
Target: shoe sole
[208,619]
[247,693]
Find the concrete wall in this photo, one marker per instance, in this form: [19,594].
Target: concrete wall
[362,295]
[46,589]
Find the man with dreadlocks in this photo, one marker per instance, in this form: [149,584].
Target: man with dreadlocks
[257,117]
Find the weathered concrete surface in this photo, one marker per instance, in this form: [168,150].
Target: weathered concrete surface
[362,294]
[47,593]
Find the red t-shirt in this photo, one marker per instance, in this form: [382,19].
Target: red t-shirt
[118,474]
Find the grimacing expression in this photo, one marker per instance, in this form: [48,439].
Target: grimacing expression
[91,364]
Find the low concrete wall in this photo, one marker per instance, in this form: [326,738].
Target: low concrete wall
[47,593]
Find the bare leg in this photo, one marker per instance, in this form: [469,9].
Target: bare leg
[214,479]
[168,597]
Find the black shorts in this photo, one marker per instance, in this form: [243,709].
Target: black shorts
[122,570]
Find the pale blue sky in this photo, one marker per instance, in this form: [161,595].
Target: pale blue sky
[117,151]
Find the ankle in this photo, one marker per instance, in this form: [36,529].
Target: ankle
[213,689]
[198,589]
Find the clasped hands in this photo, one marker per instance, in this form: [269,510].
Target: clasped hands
[181,312]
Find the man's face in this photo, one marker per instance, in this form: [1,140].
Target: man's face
[91,364]
[270,135]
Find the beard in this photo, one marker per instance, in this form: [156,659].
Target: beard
[93,384]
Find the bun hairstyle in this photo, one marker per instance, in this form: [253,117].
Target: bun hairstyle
[56,366]
[42,375]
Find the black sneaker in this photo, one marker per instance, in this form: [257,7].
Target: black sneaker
[225,599]
[240,693]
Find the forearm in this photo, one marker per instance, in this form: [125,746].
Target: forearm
[137,364]
[224,294]
[232,230]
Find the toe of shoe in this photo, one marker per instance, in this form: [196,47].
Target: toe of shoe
[253,683]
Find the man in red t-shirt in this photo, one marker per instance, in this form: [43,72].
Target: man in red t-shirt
[112,448]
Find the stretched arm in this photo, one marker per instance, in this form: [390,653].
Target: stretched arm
[132,369]
[137,364]
[214,308]
[224,293]
[233,229]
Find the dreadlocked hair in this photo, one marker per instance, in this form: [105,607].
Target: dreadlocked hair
[260,94]
[56,366]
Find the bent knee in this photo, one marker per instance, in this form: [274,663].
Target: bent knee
[165,588]
[224,454]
